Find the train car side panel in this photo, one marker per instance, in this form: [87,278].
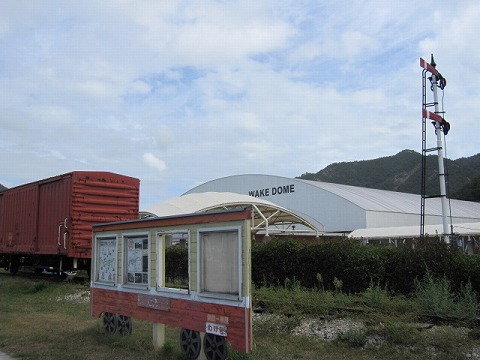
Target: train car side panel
[19,220]
[99,197]
[2,243]
[53,215]
[49,221]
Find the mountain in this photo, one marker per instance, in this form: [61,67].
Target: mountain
[402,172]
[2,187]
[470,192]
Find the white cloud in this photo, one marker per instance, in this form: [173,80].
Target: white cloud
[219,87]
[154,162]
[140,87]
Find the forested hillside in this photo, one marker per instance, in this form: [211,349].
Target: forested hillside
[402,172]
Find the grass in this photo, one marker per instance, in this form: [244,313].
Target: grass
[46,320]
[50,321]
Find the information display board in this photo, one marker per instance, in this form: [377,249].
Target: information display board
[129,267]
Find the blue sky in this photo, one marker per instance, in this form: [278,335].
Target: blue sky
[178,93]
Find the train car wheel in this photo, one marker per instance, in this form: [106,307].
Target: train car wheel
[215,347]
[124,325]
[109,322]
[14,266]
[190,343]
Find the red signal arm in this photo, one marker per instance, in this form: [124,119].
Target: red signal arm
[428,67]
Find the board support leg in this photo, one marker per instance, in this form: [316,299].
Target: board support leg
[202,355]
[158,335]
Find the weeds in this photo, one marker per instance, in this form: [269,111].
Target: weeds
[293,300]
[169,351]
[435,298]
[338,284]
[467,306]
[376,297]
[353,337]
[399,333]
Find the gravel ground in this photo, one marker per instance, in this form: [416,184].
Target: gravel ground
[332,330]
[327,330]
[78,298]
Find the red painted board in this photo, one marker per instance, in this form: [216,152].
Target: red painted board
[188,314]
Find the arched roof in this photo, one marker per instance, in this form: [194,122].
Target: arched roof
[277,218]
[367,199]
[394,201]
[342,208]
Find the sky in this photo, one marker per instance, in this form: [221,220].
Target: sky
[177,93]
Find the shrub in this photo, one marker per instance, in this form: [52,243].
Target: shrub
[316,266]
[435,297]
[274,262]
[467,306]
[176,263]
[376,297]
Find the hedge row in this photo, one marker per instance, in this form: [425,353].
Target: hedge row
[176,263]
[348,263]
[355,266]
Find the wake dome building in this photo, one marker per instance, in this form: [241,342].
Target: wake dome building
[341,208]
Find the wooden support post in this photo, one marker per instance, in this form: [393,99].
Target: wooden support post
[202,355]
[158,335]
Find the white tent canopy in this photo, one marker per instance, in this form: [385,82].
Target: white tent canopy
[413,231]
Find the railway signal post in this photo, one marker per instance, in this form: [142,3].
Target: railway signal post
[441,128]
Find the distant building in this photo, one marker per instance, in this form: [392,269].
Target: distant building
[341,208]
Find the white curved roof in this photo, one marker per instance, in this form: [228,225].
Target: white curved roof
[208,201]
[341,208]
[394,201]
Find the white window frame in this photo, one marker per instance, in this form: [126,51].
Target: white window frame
[98,258]
[160,263]
[125,238]
[200,269]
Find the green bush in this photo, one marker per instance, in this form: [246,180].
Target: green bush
[286,262]
[176,263]
[402,266]
[274,262]
[316,266]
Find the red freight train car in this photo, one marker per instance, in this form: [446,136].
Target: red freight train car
[47,223]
